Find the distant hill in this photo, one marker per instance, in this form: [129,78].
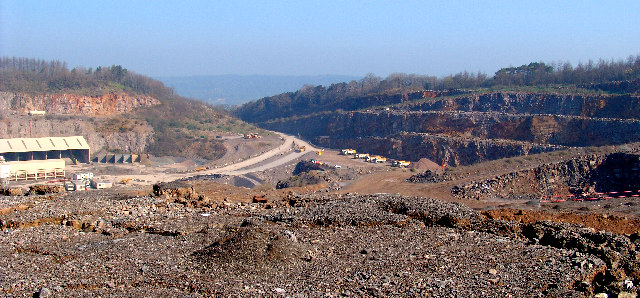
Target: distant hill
[239,89]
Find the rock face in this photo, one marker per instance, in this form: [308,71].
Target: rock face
[587,174]
[304,102]
[70,114]
[108,104]
[625,106]
[440,148]
[471,128]
[134,140]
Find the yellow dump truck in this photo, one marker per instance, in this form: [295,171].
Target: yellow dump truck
[348,151]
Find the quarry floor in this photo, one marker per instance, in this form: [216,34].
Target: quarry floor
[304,241]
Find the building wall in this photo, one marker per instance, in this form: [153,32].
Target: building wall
[36,169]
[35,165]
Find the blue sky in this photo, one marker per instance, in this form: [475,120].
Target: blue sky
[177,38]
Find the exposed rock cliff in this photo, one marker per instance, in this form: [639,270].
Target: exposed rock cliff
[70,114]
[108,104]
[470,128]
[439,148]
[583,174]
[550,129]
[625,106]
[134,140]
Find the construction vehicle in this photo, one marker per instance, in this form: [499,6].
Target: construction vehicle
[319,153]
[362,155]
[376,159]
[301,149]
[348,151]
[252,136]
[400,163]
[125,181]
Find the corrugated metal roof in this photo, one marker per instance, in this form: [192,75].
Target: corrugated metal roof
[42,144]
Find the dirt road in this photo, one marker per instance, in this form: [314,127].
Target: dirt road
[248,166]
[285,151]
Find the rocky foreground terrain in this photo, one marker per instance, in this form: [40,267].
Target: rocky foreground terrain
[174,241]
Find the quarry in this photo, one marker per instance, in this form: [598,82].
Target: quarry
[457,192]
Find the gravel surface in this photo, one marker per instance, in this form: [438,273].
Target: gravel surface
[113,243]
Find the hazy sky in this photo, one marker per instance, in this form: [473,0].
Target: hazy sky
[175,38]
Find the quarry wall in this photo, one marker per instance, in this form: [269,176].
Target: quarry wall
[471,128]
[108,104]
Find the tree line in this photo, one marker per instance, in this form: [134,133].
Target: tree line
[532,74]
[36,76]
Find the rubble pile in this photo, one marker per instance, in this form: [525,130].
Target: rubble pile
[182,193]
[42,189]
[429,176]
[306,178]
[12,191]
[316,173]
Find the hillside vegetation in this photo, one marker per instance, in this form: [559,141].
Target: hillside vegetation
[375,91]
[181,126]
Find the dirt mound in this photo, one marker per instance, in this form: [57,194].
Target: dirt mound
[305,245]
[306,166]
[430,176]
[252,248]
[425,164]
[306,178]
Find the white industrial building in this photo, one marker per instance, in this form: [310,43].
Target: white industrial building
[75,148]
[40,158]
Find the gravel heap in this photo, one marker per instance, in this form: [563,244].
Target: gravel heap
[430,176]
